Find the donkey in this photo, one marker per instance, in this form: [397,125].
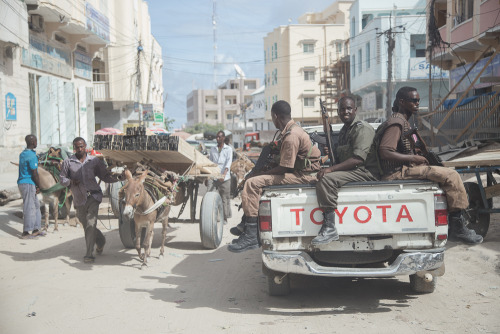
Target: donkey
[51,199]
[137,201]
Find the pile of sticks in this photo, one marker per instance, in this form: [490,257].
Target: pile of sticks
[136,141]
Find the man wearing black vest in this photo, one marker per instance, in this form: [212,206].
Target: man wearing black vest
[398,162]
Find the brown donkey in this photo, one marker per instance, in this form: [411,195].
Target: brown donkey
[137,201]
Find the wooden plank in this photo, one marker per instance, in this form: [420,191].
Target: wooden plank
[492,191]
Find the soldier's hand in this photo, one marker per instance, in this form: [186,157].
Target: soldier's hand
[322,172]
[419,160]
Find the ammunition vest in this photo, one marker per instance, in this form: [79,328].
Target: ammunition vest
[387,167]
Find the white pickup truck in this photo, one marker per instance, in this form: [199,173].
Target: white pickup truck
[386,229]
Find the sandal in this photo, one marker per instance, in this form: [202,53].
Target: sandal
[26,235]
[88,259]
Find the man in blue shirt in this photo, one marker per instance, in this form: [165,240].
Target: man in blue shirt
[222,155]
[29,185]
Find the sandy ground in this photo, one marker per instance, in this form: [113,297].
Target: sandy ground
[194,290]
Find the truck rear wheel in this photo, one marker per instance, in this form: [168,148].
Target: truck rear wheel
[278,284]
[420,285]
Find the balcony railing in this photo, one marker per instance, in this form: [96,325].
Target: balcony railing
[101,91]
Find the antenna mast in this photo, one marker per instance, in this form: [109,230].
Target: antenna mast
[214,24]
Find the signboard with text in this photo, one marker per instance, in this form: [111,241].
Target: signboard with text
[419,69]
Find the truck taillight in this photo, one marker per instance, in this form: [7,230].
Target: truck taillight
[440,210]
[265,217]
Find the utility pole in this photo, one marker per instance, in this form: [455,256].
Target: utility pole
[214,24]
[138,84]
[391,44]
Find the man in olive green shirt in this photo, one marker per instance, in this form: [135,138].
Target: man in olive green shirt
[354,162]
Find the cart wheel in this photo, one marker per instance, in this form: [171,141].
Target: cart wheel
[212,220]
[126,227]
[479,222]
[114,189]
[193,199]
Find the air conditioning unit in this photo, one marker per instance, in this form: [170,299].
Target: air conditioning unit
[36,23]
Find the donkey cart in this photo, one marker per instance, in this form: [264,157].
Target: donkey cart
[172,155]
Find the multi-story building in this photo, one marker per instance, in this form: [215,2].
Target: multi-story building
[256,115]
[223,105]
[45,72]
[465,40]
[377,28]
[127,75]
[54,55]
[296,54]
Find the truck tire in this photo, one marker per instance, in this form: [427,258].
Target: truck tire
[479,222]
[114,189]
[126,228]
[278,284]
[419,285]
[212,220]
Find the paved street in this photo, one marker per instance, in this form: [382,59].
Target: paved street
[194,290]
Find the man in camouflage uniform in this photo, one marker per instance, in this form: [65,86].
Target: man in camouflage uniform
[298,159]
[353,163]
[398,162]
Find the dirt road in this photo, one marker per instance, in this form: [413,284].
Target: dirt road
[194,290]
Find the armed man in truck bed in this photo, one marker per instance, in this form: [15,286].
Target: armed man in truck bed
[398,162]
[298,159]
[354,162]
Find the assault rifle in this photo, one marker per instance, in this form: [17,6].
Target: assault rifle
[264,163]
[327,129]
[419,147]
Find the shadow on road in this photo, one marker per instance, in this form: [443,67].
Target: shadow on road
[234,283]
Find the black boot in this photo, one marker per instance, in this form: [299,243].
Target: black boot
[328,231]
[248,240]
[457,229]
[240,228]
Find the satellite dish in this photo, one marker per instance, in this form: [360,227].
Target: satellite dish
[239,71]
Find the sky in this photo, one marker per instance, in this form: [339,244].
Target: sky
[185,32]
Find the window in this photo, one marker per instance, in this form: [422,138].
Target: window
[353,66]
[275,50]
[465,10]
[365,19]
[353,27]
[338,46]
[309,75]
[417,45]
[368,56]
[229,116]
[360,61]
[308,47]
[96,75]
[308,101]
[265,59]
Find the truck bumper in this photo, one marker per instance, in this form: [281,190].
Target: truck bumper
[408,263]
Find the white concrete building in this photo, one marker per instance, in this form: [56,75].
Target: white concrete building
[132,60]
[257,116]
[45,72]
[52,51]
[371,24]
[222,105]
[295,55]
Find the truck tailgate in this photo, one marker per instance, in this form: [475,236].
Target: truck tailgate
[377,209]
